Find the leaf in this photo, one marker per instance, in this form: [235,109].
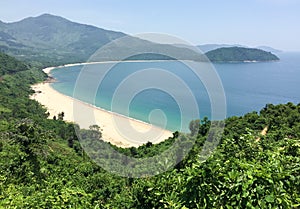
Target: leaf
[269,198]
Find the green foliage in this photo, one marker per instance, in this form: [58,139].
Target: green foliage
[43,165]
[10,65]
[242,173]
[239,54]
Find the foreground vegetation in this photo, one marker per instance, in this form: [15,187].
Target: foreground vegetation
[43,165]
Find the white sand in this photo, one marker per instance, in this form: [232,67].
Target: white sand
[117,129]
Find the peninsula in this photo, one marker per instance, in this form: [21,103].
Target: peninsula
[240,54]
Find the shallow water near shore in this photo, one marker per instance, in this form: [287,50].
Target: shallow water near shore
[248,87]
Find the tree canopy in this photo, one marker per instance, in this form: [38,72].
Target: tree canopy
[239,54]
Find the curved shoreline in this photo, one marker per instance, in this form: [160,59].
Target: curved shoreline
[138,134]
[49,69]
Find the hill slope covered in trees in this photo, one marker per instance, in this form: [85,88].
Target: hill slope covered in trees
[43,165]
[54,40]
[240,54]
[10,65]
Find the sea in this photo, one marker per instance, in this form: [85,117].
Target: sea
[170,94]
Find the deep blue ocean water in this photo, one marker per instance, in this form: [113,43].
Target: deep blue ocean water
[248,87]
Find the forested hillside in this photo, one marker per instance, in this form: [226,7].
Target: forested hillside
[43,165]
[240,54]
[54,41]
[9,65]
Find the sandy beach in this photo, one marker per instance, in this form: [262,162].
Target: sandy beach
[117,129]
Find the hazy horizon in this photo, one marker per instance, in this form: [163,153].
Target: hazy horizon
[252,23]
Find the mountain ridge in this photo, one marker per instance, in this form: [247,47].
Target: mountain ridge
[48,38]
[54,40]
[54,32]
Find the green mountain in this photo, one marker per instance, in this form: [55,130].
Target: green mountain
[240,54]
[48,31]
[49,38]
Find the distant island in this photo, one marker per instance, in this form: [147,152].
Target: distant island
[209,47]
[240,54]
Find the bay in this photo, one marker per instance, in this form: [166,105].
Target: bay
[247,86]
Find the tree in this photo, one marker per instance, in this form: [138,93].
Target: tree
[95,132]
[194,126]
[204,127]
[61,116]
[32,141]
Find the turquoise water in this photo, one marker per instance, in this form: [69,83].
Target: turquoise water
[247,86]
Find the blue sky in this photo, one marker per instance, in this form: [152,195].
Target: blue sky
[273,23]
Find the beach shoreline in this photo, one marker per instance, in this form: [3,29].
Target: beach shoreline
[49,69]
[111,124]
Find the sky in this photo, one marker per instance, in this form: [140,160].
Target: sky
[274,23]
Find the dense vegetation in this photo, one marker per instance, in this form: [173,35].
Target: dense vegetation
[43,166]
[239,54]
[9,65]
